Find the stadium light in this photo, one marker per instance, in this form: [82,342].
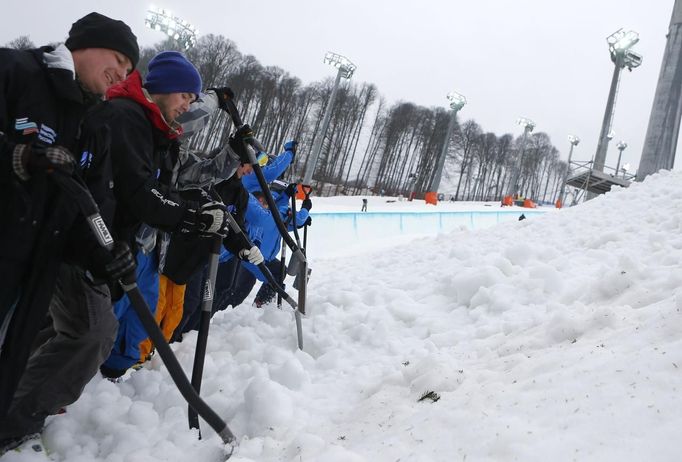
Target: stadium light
[620,44]
[343,64]
[345,69]
[574,140]
[621,147]
[174,27]
[457,102]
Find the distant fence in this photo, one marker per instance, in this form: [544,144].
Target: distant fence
[333,231]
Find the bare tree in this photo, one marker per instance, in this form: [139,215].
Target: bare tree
[21,43]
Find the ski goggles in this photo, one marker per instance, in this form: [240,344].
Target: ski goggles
[262,159]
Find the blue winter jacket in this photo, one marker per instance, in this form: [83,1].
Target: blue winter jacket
[260,224]
[271,172]
[264,232]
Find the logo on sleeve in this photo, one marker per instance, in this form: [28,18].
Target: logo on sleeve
[46,134]
[86,159]
[25,126]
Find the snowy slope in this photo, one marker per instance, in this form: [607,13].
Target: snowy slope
[555,338]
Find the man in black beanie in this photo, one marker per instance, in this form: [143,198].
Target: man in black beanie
[44,95]
[104,51]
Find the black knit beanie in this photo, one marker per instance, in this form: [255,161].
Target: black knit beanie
[98,31]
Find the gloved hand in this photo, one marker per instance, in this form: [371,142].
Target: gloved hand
[238,142]
[224,95]
[210,218]
[291,145]
[28,160]
[253,255]
[113,265]
[307,204]
[308,222]
[291,189]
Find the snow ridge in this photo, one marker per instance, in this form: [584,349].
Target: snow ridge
[555,338]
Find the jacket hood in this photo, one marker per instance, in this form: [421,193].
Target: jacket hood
[60,58]
[131,88]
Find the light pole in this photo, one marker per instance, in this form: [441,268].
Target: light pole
[174,27]
[345,70]
[574,140]
[662,134]
[528,126]
[457,102]
[621,147]
[622,56]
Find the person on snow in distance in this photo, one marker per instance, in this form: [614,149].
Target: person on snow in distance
[44,96]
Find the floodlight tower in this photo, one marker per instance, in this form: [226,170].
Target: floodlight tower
[345,70]
[620,44]
[174,27]
[574,140]
[457,102]
[528,126]
[621,147]
[660,143]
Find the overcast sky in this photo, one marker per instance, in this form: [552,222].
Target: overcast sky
[542,59]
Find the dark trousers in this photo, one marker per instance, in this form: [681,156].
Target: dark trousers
[79,340]
[191,312]
[245,281]
[266,292]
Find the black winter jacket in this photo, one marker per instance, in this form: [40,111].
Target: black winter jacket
[187,254]
[38,104]
[124,167]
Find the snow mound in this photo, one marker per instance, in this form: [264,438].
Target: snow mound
[554,338]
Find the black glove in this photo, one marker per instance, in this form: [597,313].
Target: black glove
[290,190]
[224,95]
[110,266]
[238,142]
[307,204]
[28,160]
[210,218]
[291,146]
[308,222]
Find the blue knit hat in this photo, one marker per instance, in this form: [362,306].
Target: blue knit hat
[171,72]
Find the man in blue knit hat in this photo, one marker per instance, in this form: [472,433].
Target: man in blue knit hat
[172,83]
[144,155]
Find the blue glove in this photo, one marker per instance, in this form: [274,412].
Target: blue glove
[291,146]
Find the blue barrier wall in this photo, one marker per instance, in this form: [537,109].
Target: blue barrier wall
[333,231]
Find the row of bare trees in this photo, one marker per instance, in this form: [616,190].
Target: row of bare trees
[392,149]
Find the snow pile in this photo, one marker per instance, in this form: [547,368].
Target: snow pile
[555,338]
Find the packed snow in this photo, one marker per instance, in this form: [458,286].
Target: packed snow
[553,338]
